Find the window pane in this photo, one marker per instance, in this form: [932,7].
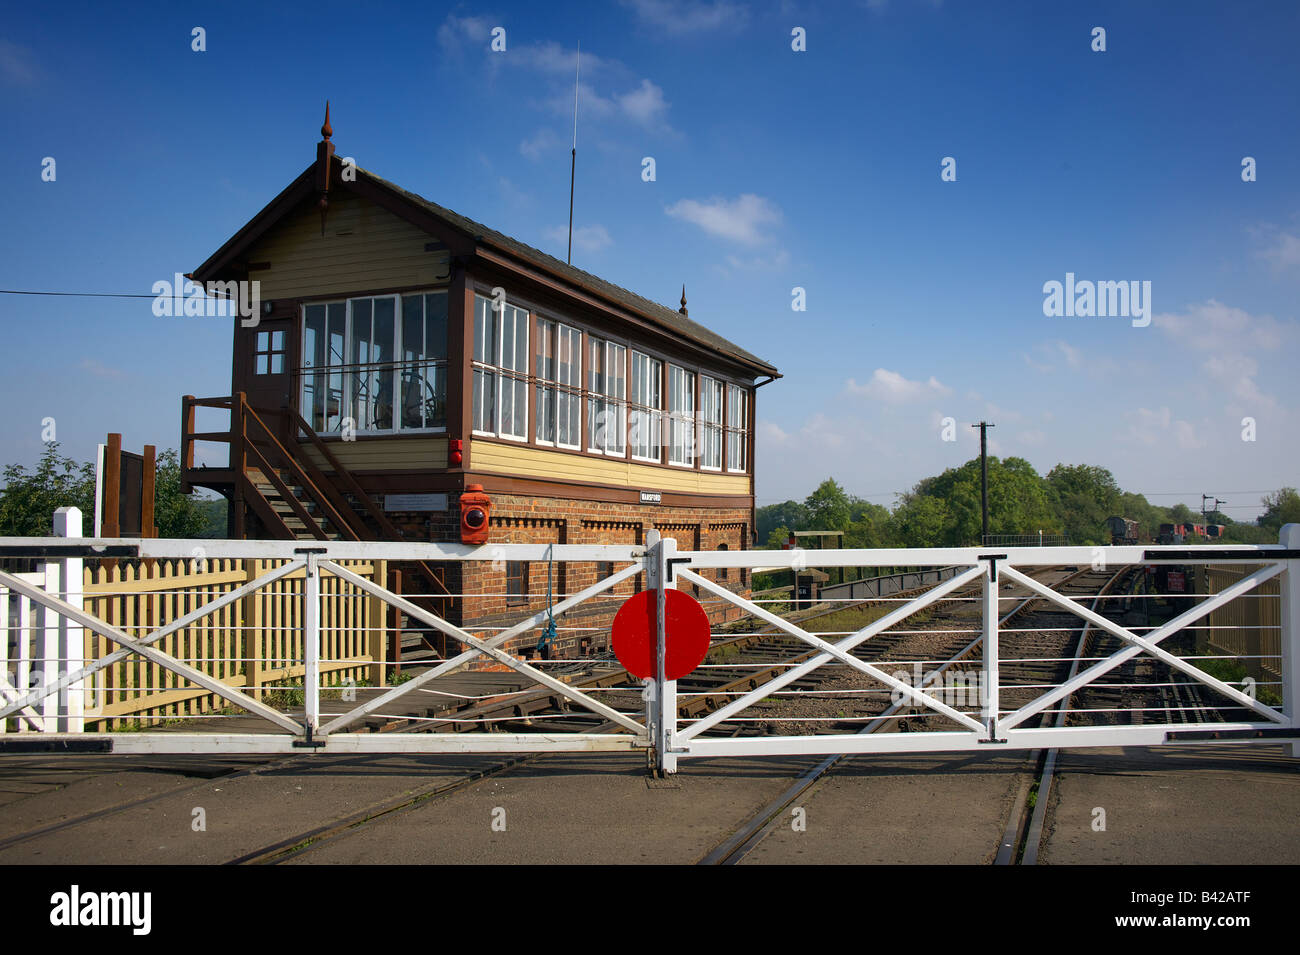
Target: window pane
[435,325]
[485,324]
[484,400]
[412,328]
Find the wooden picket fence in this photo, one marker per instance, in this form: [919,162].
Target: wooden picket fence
[254,644]
[1250,626]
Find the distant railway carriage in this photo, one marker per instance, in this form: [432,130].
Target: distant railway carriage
[1122,530]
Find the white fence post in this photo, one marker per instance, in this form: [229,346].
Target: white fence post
[1289,587]
[650,561]
[311,644]
[990,675]
[47,647]
[71,637]
[667,695]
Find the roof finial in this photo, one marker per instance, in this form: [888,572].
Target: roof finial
[683,308]
[324,160]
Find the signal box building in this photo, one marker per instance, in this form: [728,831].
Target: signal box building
[404,352]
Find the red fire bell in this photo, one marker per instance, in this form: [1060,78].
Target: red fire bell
[475,506]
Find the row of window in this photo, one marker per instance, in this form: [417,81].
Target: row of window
[631,406]
[379,364]
[375,364]
[517,572]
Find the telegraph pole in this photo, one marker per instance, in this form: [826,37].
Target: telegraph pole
[984,479]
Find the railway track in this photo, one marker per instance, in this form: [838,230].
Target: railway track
[764,652]
[1042,643]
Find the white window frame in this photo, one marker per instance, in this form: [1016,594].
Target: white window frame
[681,416]
[613,355]
[649,405]
[550,391]
[497,372]
[712,431]
[349,367]
[737,425]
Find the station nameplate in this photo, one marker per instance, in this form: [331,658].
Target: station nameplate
[416,502]
[651,497]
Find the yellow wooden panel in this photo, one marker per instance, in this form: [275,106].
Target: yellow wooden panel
[555,465]
[385,454]
[375,250]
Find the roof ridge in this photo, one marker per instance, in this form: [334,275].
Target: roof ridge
[666,316]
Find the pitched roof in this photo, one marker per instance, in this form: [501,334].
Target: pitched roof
[659,314]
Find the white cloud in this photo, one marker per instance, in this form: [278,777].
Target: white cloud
[1283,252]
[541,142]
[16,64]
[100,370]
[588,238]
[1154,427]
[760,263]
[459,33]
[1230,336]
[551,57]
[689,16]
[890,386]
[740,219]
[645,104]
[1216,327]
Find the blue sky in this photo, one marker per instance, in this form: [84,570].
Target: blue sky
[775,169]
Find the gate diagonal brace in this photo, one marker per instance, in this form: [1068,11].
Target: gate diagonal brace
[142,647]
[486,647]
[1137,645]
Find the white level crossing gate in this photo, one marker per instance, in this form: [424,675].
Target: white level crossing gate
[1160,651]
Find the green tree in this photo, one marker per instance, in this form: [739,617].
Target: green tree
[30,498]
[828,507]
[177,514]
[922,520]
[1083,496]
[778,537]
[1281,507]
[788,516]
[1018,501]
[871,526]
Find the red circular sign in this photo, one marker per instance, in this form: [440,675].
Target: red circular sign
[686,634]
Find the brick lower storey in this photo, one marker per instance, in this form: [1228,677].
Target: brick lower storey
[499,594]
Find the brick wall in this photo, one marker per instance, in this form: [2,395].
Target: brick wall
[492,600]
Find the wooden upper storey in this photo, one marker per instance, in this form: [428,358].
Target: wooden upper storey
[395,322]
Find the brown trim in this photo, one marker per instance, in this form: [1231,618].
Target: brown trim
[435,285]
[147,526]
[460,380]
[612,331]
[489,258]
[530,385]
[397,482]
[112,488]
[573,490]
[458,242]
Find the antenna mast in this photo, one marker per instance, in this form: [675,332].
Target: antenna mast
[573,156]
